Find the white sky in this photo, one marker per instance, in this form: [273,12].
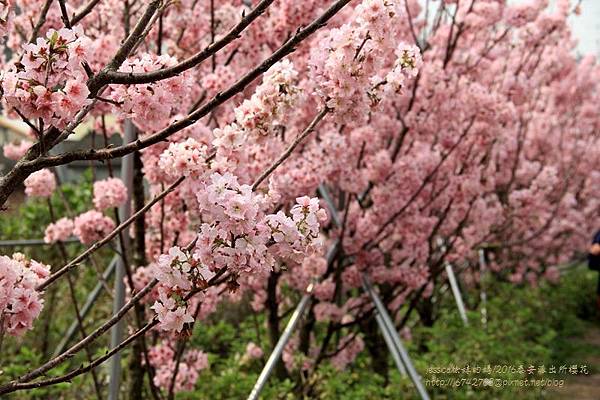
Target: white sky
[586,27]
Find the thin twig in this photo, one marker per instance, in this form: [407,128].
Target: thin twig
[52,278]
[291,147]
[213,48]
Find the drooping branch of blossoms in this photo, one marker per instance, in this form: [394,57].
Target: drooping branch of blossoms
[163,308]
[107,198]
[30,163]
[24,383]
[106,239]
[103,154]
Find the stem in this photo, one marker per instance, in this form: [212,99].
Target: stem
[52,278]
[291,147]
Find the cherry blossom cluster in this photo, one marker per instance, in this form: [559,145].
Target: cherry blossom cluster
[183,158]
[295,237]
[236,236]
[253,351]
[258,116]
[178,274]
[406,66]
[49,82]
[16,150]
[92,226]
[60,230]
[347,62]
[41,183]
[20,303]
[348,348]
[239,237]
[6,17]
[277,93]
[162,358]
[233,235]
[150,106]
[109,193]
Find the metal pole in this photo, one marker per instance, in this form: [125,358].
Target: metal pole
[456,292]
[454,286]
[274,357]
[91,299]
[291,325]
[33,242]
[483,294]
[414,375]
[390,344]
[327,197]
[382,326]
[119,300]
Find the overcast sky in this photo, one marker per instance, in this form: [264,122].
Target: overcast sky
[586,27]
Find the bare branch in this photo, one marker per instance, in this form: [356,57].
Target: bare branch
[213,48]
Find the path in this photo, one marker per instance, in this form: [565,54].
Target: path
[583,387]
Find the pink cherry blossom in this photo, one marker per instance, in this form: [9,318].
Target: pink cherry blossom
[20,303]
[60,230]
[183,158]
[162,358]
[16,150]
[49,83]
[41,183]
[6,17]
[108,193]
[149,106]
[253,351]
[92,226]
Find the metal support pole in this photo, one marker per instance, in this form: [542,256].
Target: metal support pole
[389,325]
[456,292]
[390,344]
[483,294]
[327,197]
[33,242]
[119,300]
[91,299]
[291,325]
[274,357]
[454,286]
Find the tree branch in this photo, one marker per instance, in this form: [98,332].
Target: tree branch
[291,147]
[153,76]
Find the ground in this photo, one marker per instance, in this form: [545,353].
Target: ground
[583,387]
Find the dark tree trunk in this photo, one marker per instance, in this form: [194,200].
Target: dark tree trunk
[425,310]
[136,369]
[376,347]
